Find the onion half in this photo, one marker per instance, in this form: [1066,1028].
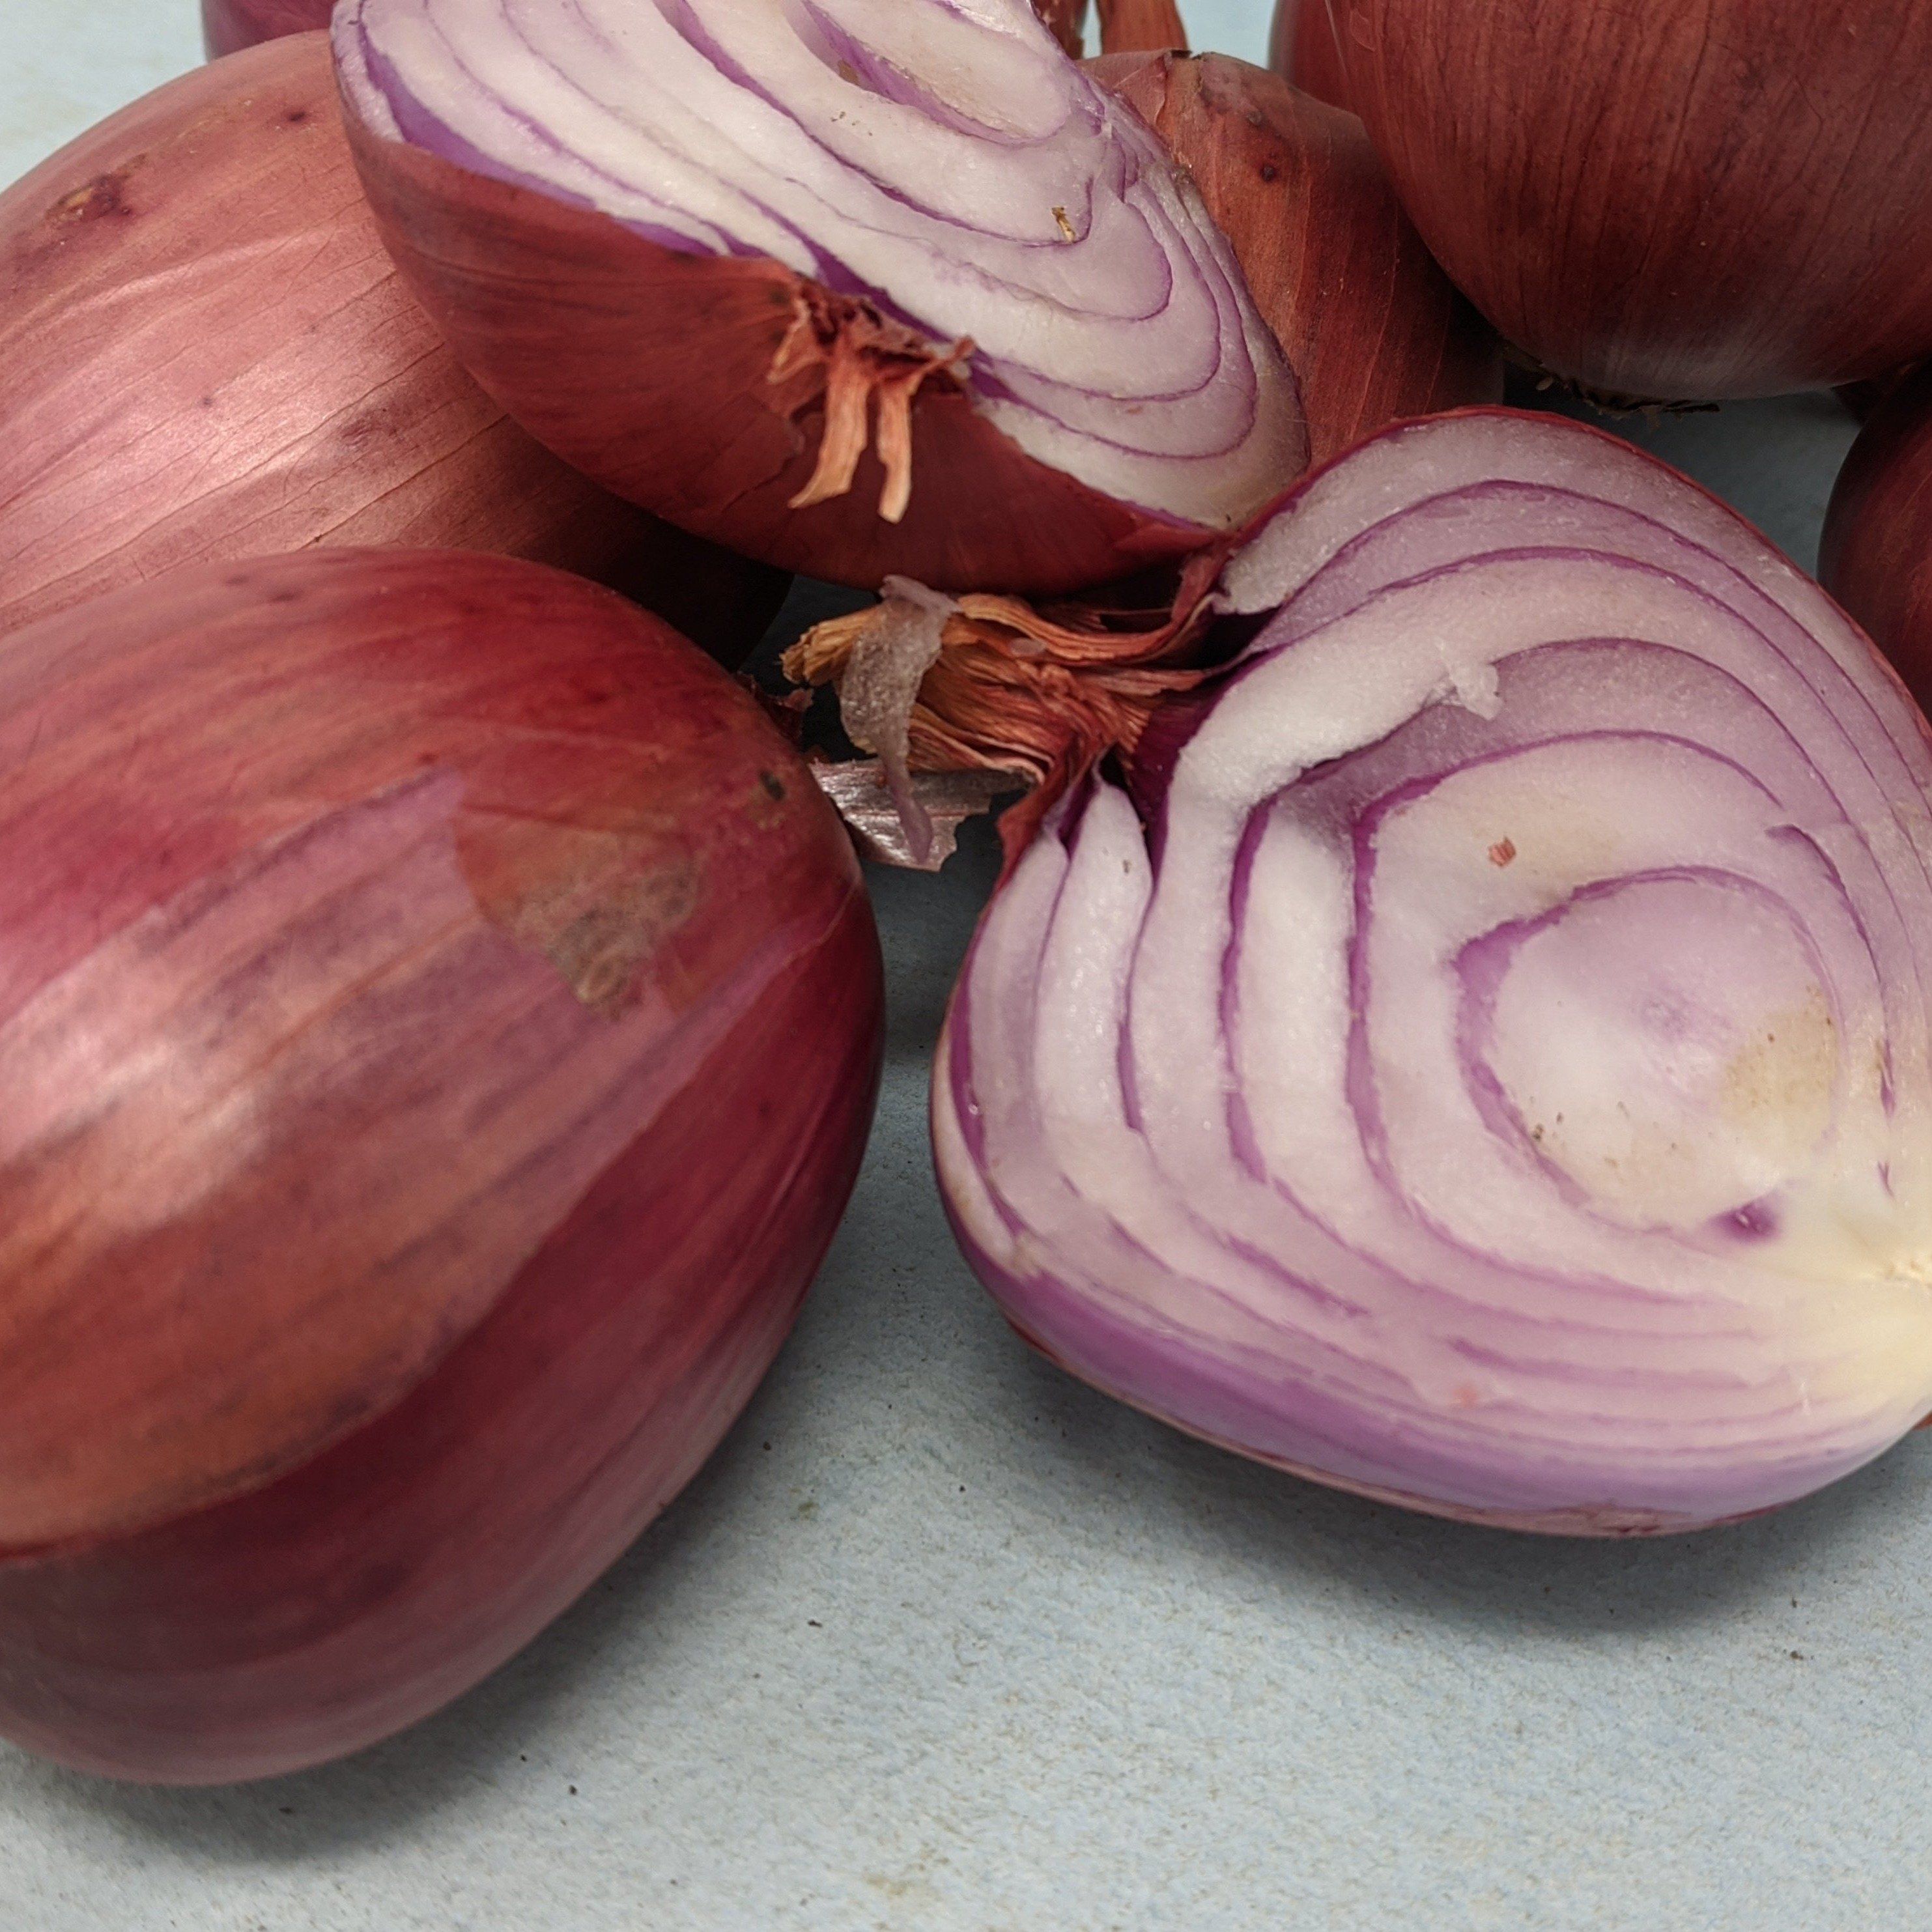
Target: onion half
[1665,202]
[206,352]
[439,1022]
[863,287]
[1876,555]
[1482,1061]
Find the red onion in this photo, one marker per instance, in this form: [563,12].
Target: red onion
[858,285]
[205,353]
[1665,202]
[1372,329]
[439,1020]
[1483,1063]
[1140,26]
[227,26]
[1876,558]
[1302,48]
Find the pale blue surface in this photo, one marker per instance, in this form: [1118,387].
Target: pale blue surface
[942,1643]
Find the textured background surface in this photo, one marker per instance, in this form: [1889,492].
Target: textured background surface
[942,1643]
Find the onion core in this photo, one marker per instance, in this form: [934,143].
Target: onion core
[1482,1061]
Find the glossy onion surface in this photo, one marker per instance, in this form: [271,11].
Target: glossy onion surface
[1662,202]
[227,26]
[439,1023]
[1485,1064]
[1877,557]
[205,352]
[875,286]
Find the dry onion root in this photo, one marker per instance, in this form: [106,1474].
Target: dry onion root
[1480,1056]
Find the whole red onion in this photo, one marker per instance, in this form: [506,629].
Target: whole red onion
[1373,329]
[1876,555]
[1302,48]
[1480,1058]
[439,1021]
[904,294]
[205,352]
[229,25]
[1661,201]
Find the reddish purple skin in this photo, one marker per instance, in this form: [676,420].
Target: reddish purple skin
[481,1018]
[649,370]
[1876,558]
[229,25]
[1302,48]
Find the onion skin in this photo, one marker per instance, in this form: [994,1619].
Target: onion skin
[284,389]
[621,366]
[1876,557]
[227,26]
[1666,203]
[1302,49]
[1373,329]
[1140,26]
[441,1019]
[1479,1059]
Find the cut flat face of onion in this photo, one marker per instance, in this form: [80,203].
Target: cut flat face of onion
[930,200]
[1490,1071]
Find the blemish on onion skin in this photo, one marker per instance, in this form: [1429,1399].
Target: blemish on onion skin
[1502,852]
[104,196]
[1066,226]
[1270,172]
[774,786]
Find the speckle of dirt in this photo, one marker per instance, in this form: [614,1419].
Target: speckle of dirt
[103,199]
[1270,172]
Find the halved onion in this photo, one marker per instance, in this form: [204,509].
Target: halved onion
[1482,1061]
[858,286]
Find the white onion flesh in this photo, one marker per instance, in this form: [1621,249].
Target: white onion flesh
[942,158]
[1498,1078]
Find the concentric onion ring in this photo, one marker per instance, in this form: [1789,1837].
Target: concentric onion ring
[1494,1073]
[698,248]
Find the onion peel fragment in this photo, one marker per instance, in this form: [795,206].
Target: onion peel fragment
[840,352]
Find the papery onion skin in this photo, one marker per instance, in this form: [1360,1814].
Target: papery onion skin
[1666,203]
[1876,557]
[651,369]
[1302,49]
[1140,26]
[1486,1067]
[205,353]
[1373,329]
[227,26]
[439,1023]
